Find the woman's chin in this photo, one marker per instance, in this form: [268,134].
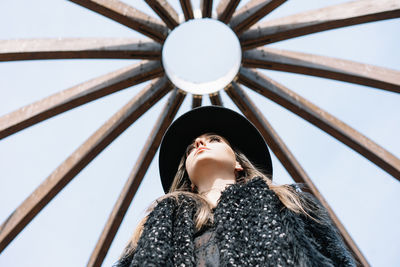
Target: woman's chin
[205,167]
[204,161]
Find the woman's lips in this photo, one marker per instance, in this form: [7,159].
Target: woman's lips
[201,149]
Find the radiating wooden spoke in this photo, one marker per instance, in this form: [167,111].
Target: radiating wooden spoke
[206,8]
[196,101]
[128,16]
[320,118]
[287,159]
[187,9]
[249,109]
[331,68]
[81,158]
[66,48]
[165,11]
[333,17]
[78,95]
[225,9]
[252,12]
[135,178]
[215,99]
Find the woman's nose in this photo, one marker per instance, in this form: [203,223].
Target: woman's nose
[199,142]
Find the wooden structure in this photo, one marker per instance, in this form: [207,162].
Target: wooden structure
[253,36]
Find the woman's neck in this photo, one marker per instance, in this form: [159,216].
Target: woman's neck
[213,188]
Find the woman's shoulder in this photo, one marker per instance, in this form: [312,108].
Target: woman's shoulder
[315,210]
[298,187]
[162,205]
[171,201]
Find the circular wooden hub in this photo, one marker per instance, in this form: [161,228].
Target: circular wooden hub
[200,44]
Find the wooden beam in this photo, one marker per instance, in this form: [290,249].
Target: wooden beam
[128,16]
[333,17]
[215,99]
[77,96]
[67,48]
[187,9]
[249,109]
[320,66]
[79,159]
[165,11]
[288,160]
[225,9]
[322,119]
[206,8]
[252,12]
[135,178]
[196,101]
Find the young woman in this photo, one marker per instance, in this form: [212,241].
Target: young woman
[221,207]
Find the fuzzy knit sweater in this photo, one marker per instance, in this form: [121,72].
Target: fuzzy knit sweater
[252,228]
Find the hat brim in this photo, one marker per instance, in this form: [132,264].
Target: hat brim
[239,131]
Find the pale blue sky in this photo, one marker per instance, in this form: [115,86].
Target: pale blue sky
[64,234]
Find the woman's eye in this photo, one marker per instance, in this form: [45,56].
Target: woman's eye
[215,138]
[189,149]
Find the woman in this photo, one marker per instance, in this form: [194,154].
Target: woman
[222,209]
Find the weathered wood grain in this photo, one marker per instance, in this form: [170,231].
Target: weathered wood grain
[320,66]
[72,48]
[128,16]
[78,95]
[333,17]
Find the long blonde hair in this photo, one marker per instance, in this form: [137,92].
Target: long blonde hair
[181,185]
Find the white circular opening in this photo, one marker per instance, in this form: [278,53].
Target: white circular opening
[201,56]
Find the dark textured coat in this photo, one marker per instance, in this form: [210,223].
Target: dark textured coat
[252,226]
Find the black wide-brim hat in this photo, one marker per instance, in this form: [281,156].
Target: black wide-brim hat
[239,131]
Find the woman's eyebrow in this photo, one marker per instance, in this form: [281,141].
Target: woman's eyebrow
[222,138]
[208,136]
[213,135]
[187,148]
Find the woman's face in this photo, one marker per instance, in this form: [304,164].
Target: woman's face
[210,152]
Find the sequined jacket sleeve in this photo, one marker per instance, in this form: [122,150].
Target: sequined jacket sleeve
[328,240]
[165,234]
[152,250]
